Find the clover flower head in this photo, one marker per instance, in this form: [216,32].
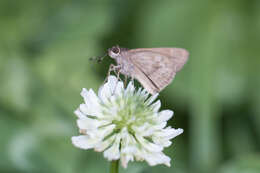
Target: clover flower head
[124,123]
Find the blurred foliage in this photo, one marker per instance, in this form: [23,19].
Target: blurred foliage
[45,47]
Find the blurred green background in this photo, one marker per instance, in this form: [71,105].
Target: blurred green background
[45,46]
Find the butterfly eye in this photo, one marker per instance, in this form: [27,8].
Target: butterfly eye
[115,50]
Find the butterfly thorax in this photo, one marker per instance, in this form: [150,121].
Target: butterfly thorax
[126,67]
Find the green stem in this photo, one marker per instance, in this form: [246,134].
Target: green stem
[114,166]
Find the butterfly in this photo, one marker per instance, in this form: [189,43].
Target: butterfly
[154,68]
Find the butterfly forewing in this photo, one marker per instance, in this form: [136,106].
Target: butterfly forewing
[179,55]
[158,65]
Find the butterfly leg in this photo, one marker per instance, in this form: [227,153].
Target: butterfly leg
[111,68]
[125,81]
[132,80]
[117,72]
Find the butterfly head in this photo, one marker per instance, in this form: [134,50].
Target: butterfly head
[114,52]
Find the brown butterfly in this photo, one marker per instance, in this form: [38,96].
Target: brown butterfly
[154,68]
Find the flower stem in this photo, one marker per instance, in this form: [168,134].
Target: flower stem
[114,166]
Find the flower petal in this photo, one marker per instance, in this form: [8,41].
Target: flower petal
[125,158]
[119,88]
[113,152]
[82,142]
[157,158]
[90,99]
[91,110]
[148,145]
[127,147]
[88,123]
[160,126]
[156,106]
[151,99]
[168,133]
[79,114]
[101,133]
[144,130]
[130,89]
[104,144]
[165,115]
[112,82]
[104,93]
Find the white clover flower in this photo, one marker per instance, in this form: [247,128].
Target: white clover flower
[124,123]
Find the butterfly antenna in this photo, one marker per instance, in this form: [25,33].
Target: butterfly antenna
[98,58]
[101,58]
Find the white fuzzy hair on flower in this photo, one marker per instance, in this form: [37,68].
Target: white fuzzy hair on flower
[124,123]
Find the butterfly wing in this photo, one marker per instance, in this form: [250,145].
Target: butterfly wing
[146,82]
[178,55]
[158,65]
